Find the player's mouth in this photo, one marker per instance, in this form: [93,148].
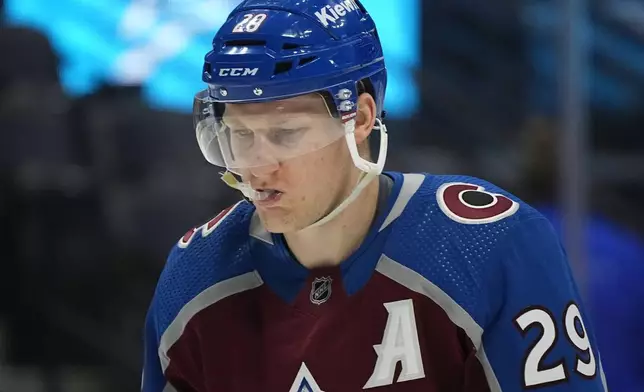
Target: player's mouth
[266,197]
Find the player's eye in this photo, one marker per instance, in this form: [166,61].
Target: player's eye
[286,136]
[242,133]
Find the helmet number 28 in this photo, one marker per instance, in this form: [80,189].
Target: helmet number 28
[250,23]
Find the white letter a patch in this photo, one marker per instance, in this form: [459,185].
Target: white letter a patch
[399,344]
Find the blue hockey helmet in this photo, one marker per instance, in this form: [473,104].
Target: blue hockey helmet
[272,50]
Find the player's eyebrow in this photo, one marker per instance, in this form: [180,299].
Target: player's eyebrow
[236,122]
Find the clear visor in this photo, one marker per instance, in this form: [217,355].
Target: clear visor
[240,136]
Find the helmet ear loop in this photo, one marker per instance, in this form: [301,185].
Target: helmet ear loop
[361,163]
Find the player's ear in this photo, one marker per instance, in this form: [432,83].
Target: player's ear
[366,118]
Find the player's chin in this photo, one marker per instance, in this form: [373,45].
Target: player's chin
[282,221]
[275,220]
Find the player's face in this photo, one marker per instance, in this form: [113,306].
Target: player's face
[294,152]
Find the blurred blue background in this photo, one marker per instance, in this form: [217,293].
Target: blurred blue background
[161,44]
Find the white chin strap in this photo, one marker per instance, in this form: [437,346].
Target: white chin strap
[369,170]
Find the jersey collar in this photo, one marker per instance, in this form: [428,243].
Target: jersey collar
[286,277]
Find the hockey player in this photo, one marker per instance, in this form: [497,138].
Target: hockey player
[334,276]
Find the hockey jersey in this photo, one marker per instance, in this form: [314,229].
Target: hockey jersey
[459,286]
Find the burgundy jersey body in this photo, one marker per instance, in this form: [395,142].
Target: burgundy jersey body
[429,302]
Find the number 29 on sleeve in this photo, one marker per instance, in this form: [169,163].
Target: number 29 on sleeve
[535,373]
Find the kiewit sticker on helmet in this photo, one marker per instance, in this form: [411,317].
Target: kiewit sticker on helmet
[331,13]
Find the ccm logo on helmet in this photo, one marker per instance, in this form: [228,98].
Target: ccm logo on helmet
[331,13]
[238,71]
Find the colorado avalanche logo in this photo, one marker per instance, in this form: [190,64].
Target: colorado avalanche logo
[321,290]
[473,205]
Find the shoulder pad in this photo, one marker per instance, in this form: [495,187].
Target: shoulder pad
[219,241]
[208,228]
[450,234]
[205,257]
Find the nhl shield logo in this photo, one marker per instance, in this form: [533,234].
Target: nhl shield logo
[321,290]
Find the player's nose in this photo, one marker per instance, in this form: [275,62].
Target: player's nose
[265,169]
[262,160]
